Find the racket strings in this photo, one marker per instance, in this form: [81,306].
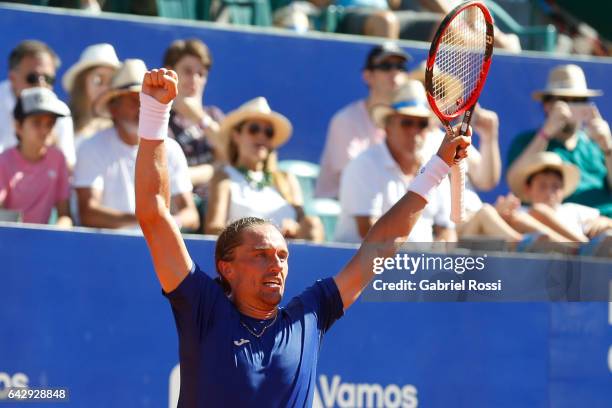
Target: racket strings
[459,61]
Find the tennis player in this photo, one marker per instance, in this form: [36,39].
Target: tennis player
[237,347]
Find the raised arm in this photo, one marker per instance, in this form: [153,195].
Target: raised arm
[170,257]
[395,225]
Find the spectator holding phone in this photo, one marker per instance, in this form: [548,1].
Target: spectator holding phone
[574,130]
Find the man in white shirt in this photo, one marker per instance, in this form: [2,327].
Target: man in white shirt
[32,64]
[104,173]
[376,179]
[352,130]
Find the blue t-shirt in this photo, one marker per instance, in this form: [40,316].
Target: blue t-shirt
[224,365]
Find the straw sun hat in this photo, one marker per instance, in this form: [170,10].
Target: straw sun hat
[538,162]
[92,56]
[257,108]
[127,79]
[567,80]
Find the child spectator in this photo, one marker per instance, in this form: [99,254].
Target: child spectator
[85,81]
[33,174]
[544,180]
[250,185]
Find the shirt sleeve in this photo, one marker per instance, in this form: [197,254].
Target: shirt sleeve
[178,170]
[359,196]
[334,158]
[323,298]
[88,172]
[65,139]
[63,182]
[4,185]
[193,301]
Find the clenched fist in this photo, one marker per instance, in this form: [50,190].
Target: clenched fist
[161,84]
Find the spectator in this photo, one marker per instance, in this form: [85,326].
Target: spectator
[193,125]
[544,181]
[104,174]
[33,174]
[250,186]
[352,129]
[32,64]
[574,130]
[85,81]
[374,181]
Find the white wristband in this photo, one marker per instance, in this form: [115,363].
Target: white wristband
[430,176]
[154,116]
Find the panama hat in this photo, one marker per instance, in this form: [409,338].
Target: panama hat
[257,108]
[409,99]
[92,56]
[567,80]
[127,79]
[538,162]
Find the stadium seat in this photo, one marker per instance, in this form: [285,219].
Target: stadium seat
[10,215]
[328,211]
[247,12]
[185,9]
[305,172]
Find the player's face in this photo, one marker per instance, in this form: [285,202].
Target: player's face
[260,267]
[32,71]
[35,132]
[192,77]
[546,188]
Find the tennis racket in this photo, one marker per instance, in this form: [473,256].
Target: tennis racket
[457,67]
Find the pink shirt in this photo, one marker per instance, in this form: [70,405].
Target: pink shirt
[351,131]
[33,188]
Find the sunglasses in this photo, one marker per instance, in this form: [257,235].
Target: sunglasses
[409,122]
[34,79]
[389,66]
[254,128]
[567,99]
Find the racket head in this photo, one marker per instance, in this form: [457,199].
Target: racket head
[459,60]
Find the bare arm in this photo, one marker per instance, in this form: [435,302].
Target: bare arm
[201,174]
[393,226]
[94,214]
[485,167]
[63,214]
[557,119]
[170,257]
[184,211]
[364,224]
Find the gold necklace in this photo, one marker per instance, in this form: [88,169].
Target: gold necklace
[263,330]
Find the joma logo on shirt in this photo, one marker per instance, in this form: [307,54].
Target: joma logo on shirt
[240,342]
[344,394]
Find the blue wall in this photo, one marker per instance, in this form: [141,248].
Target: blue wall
[83,310]
[306,78]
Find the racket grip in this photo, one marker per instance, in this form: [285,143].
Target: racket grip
[457,179]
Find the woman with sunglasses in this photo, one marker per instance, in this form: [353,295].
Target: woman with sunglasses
[250,185]
[85,81]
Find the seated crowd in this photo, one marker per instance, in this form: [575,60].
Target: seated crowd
[74,164]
